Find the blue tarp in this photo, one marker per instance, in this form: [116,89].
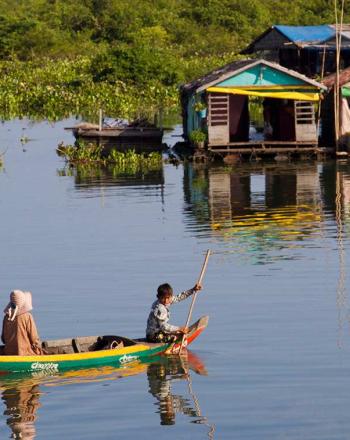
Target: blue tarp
[307,34]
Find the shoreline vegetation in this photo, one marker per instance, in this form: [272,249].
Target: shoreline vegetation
[61,58]
[56,89]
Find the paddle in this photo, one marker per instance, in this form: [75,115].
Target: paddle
[195,296]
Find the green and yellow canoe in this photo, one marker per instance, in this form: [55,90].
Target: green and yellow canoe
[92,351]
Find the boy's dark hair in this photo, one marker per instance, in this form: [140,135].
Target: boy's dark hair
[164,290]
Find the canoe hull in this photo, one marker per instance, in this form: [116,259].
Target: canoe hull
[116,357]
[61,362]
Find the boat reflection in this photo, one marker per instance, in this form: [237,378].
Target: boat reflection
[21,393]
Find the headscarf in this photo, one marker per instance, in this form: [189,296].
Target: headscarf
[20,303]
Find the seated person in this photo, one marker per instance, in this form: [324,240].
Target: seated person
[158,327]
[19,333]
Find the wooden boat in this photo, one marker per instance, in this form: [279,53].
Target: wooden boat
[85,352]
[92,132]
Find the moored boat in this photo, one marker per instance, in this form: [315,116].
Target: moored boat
[85,352]
[125,132]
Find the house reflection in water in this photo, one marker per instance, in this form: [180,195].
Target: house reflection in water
[335,179]
[335,183]
[256,207]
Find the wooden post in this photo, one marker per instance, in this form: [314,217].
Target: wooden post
[337,90]
[100,120]
[320,101]
[161,118]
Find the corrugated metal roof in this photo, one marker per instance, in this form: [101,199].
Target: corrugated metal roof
[346,34]
[344,78]
[306,34]
[343,27]
[300,36]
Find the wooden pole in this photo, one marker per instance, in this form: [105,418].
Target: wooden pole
[320,101]
[339,91]
[335,90]
[100,120]
[195,296]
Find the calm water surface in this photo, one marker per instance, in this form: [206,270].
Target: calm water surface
[93,247]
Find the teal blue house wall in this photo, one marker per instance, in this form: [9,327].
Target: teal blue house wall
[261,76]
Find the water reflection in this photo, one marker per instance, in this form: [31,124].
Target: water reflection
[21,403]
[256,208]
[93,176]
[161,376]
[264,212]
[21,393]
[337,181]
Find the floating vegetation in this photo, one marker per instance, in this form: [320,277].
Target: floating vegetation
[54,89]
[82,153]
[127,163]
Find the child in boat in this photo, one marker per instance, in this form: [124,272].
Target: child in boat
[158,327]
[19,333]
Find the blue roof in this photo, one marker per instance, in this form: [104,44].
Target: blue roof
[306,34]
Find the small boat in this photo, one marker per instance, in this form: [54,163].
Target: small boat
[91,351]
[132,132]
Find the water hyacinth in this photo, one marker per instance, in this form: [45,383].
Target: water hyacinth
[123,162]
[55,89]
[81,153]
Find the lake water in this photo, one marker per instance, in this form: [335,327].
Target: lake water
[274,362]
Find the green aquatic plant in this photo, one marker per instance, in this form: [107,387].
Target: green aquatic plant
[81,153]
[54,89]
[121,162]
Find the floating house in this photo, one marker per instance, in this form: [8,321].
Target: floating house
[310,50]
[286,99]
[327,112]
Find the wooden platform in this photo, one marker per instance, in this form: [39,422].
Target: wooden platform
[266,147]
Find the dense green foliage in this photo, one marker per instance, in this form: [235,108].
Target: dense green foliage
[56,88]
[59,56]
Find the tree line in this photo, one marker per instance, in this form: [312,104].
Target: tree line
[141,43]
[136,40]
